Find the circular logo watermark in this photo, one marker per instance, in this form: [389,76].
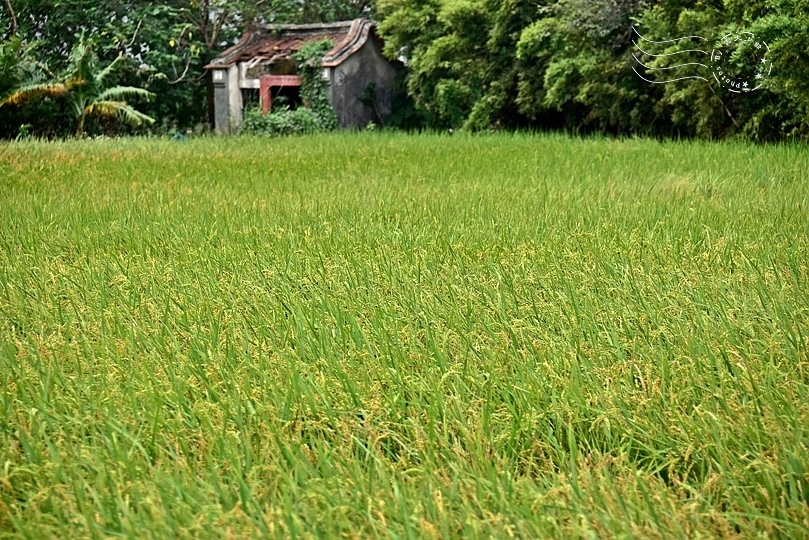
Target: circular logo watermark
[750,68]
[738,62]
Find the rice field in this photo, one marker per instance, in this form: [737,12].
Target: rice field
[404,336]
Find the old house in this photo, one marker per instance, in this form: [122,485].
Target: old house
[259,69]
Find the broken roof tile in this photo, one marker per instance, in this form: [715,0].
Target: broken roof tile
[279,42]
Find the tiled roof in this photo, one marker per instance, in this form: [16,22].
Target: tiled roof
[272,43]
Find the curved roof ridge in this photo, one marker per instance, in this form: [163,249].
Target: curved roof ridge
[356,38]
[309,26]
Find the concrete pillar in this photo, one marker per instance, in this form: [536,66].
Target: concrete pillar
[234,99]
[221,102]
[227,99]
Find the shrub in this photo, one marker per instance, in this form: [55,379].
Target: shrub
[282,122]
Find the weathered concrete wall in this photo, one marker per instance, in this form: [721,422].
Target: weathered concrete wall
[235,99]
[221,100]
[350,79]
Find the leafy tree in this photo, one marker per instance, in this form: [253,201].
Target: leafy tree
[83,86]
[17,65]
[483,64]
[460,57]
[446,45]
[575,59]
[497,106]
[782,110]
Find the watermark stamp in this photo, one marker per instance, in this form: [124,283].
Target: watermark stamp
[738,62]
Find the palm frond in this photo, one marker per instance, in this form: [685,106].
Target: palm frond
[83,60]
[118,109]
[119,92]
[134,117]
[104,73]
[103,108]
[33,91]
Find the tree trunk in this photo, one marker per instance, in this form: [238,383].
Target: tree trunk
[80,128]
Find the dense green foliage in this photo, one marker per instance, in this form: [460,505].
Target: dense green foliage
[280,122]
[18,67]
[316,113]
[314,88]
[375,335]
[488,63]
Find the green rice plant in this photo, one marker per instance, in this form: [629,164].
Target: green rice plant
[400,336]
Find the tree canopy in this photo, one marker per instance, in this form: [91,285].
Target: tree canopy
[482,64]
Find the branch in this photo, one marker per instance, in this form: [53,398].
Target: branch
[137,29]
[735,123]
[13,17]
[185,72]
[217,27]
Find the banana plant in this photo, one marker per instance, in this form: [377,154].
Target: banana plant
[84,86]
